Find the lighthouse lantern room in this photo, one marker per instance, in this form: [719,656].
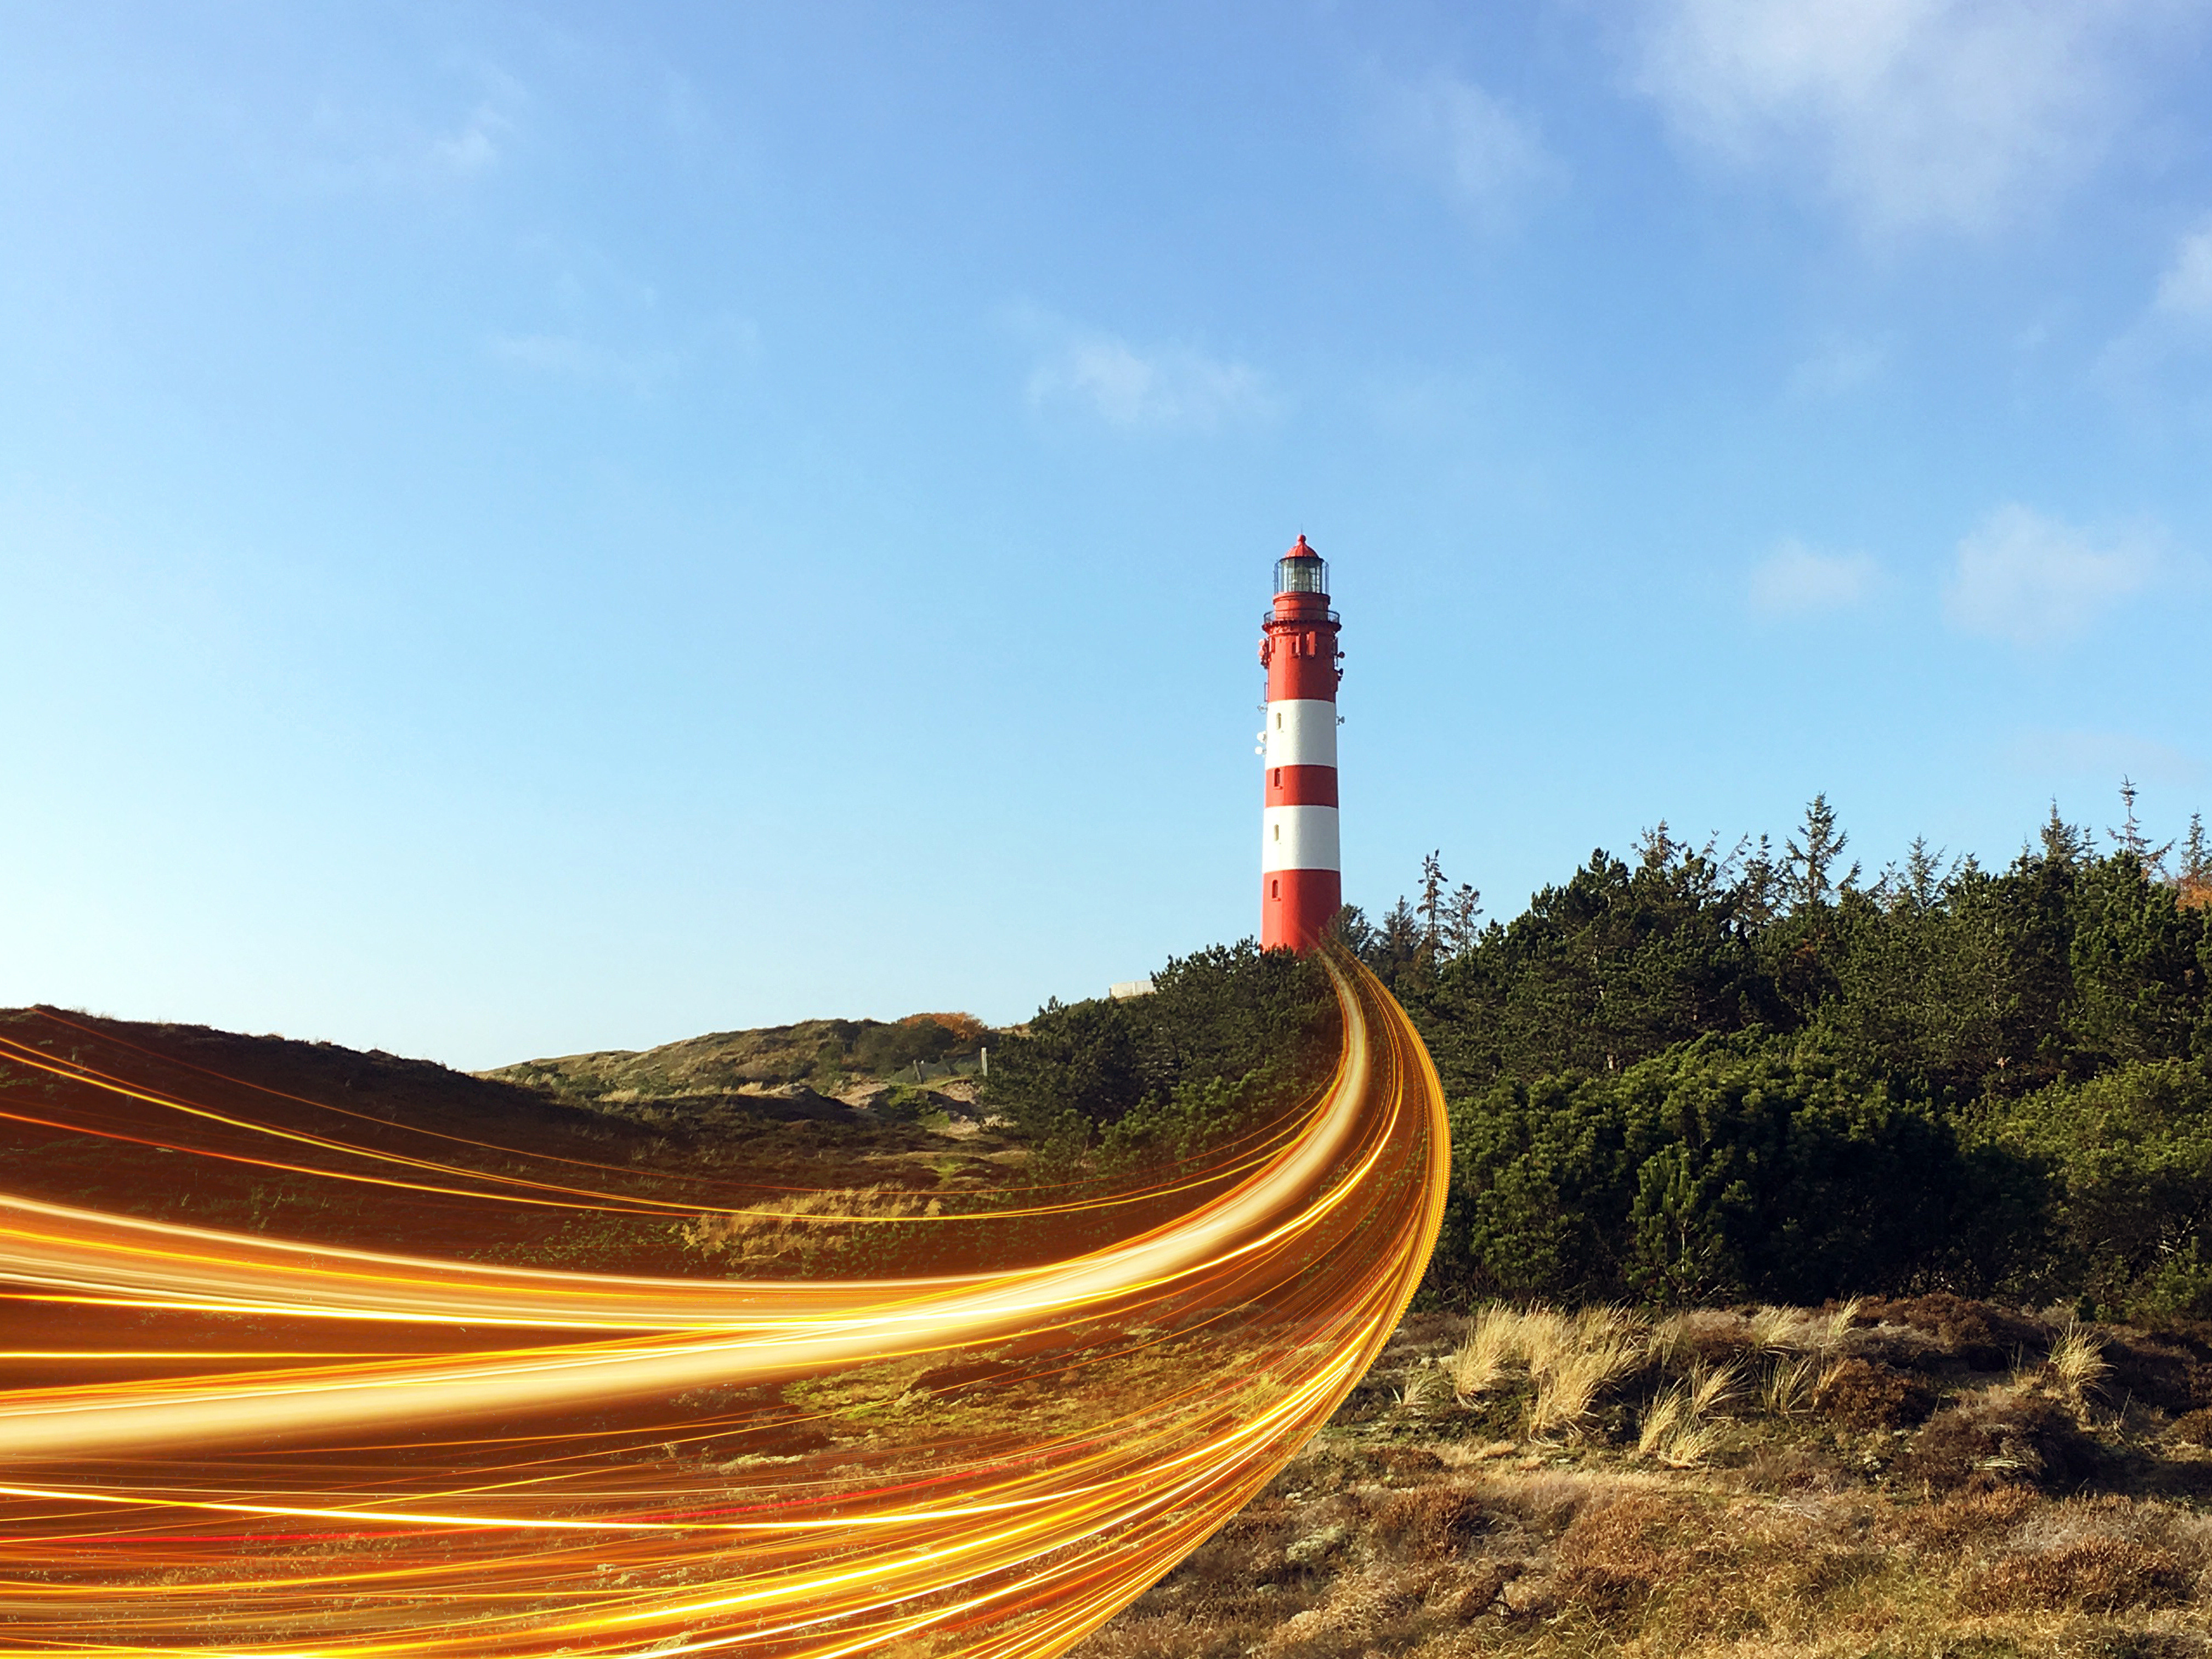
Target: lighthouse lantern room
[1301,879]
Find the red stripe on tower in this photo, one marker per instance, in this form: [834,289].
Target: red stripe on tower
[1301,873]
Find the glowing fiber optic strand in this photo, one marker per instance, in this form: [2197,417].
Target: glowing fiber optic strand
[396,1455]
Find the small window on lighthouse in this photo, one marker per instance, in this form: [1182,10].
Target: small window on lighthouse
[1274,889]
[1278,832]
[1279,721]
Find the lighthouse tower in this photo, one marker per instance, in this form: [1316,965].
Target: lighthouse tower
[1300,875]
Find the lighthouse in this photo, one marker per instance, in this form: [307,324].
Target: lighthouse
[1301,873]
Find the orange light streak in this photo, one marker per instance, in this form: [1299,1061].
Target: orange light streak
[986,1463]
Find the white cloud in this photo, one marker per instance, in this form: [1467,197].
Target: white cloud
[475,148]
[1166,387]
[2176,322]
[362,146]
[1794,581]
[568,357]
[2185,291]
[1838,368]
[1950,114]
[2035,580]
[1486,157]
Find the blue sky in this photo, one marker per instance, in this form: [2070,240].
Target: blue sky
[530,529]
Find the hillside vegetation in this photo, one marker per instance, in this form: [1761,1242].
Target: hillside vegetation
[784,1159]
[1693,1077]
[1229,1035]
[1696,1078]
[826,1056]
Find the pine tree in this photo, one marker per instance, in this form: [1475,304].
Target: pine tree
[1754,879]
[1924,876]
[1350,928]
[1808,879]
[2130,837]
[1460,926]
[2130,834]
[1396,945]
[1657,849]
[1434,908]
[2063,844]
[2195,879]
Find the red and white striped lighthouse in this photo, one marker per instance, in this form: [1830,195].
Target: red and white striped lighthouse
[1301,874]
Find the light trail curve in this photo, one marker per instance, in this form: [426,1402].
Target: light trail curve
[983,1463]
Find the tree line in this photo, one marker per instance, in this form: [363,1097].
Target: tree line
[1697,1073]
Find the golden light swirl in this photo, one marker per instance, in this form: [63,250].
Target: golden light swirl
[309,1450]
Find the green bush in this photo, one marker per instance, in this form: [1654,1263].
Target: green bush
[1723,1168]
[1615,966]
[886,1050]
[2129,1156]
[1227,1032]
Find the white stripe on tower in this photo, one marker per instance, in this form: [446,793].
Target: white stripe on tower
[1302,731]
[1298,838]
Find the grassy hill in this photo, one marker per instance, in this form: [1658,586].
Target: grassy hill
[686,1139]
[828,1057]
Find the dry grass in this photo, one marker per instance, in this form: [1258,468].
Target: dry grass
[1724,1484]
[788,1228]
[2097,1574]
[1831,1329]
[1427,1389]
[1671,1432]
[1775,1329]
[1569,1359]
[1788,1386]
[1676,1430]
[1798,1330]
[1712,1386]
[1573,1361]
[1492,1346]
[1665,1413]
[2077,1364]
[1570,1362]
[1669,1341]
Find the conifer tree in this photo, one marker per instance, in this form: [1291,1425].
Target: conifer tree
[1807,877]
[1924,876]
[1397,943]
[2130,837]
[1465,908]
[2063,844]
[1434,908]
[2194,878]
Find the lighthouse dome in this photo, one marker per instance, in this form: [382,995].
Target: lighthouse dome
[1301,570]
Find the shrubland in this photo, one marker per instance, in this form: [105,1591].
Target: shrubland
[1695,1076]
[1227,1036]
